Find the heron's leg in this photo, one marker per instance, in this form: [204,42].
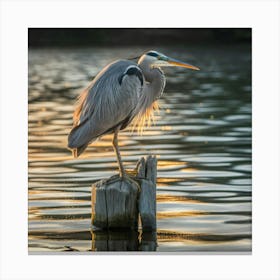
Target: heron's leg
[117,151]
[123,174]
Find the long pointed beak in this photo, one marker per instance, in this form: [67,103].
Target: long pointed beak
[175,62]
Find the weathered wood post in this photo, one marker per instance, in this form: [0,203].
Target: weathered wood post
[117,203]
[147,171]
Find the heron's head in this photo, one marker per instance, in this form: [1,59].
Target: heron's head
[156,60]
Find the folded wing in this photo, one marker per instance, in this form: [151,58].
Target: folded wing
[108,102]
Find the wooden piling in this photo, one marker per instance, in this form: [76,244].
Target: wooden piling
[114,204]
[147,169]
[117,203]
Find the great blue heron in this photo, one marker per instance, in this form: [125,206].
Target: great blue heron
[124,91]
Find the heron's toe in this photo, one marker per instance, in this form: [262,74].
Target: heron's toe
[132,180]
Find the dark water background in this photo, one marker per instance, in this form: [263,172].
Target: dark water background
[202,138]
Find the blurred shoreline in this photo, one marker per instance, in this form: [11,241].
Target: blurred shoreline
[116,37]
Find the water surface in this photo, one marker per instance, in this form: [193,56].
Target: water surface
[202,137]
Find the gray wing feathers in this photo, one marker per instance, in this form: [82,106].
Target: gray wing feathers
[105,104]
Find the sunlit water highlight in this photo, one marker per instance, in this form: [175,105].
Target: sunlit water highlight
[202,138]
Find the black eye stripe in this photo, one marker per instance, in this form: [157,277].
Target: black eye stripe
[154,54]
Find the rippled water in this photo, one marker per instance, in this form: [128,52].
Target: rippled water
[202,138]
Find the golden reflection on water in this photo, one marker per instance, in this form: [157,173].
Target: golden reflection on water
[165,236]
[172,198]
[166,128]
[176,214]
[169,163]
[37,156]
[166,181]
[190,170]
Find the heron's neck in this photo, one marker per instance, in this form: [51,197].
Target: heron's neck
[156,80]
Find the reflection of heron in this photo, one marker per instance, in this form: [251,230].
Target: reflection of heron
[121,93]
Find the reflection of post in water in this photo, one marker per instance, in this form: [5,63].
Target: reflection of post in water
[148,241]
[118,203]
[129,240]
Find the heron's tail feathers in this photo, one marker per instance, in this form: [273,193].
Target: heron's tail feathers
[77,142]
[76,152]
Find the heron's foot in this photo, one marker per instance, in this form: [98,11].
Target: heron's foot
[131,180]
[125,177]
[130,176]
[132,172]
[112,179]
